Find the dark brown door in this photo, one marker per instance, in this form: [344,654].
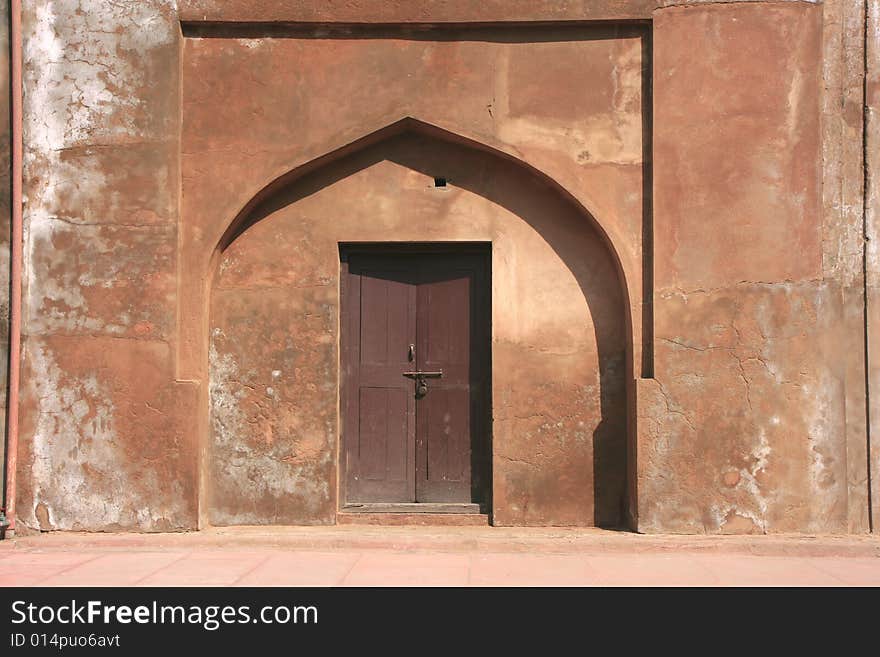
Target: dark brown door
[415,368]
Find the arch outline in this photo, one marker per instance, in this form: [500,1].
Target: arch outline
[259,205]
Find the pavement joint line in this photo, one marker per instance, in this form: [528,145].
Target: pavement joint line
[348,572]
[67,569]
[259,563]
[814,564]
[842,581]
[155,571]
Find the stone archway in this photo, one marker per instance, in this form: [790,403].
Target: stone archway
[561,333]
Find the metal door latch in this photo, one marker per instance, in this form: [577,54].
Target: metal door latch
[421,385]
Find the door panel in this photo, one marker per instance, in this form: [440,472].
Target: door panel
[401,446]
[443,430]
[446,318]
[446,433]
[384,328]
[380,450]
[383,434]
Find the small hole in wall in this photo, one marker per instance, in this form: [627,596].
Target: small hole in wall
[439,182]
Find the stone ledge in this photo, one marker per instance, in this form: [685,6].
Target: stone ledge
[457,539]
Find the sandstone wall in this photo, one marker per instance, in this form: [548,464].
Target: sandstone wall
[745,298]
[5,226]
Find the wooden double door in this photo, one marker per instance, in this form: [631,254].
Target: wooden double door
[415,367]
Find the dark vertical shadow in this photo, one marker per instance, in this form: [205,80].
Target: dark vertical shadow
[481,382]
[630,511]
[647,212]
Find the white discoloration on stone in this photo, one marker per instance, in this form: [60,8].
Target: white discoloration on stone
[262,473]
[824,417]
[39,240]
[85,67]
[818,429]
[226,415]
[756,503]
[77,73]
[795,95]
[614,137]
[751,484]
[75,444]
[54,296]
[251,44]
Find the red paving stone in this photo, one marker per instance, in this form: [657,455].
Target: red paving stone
[419,557]
[114,569]
[532,570]
[32,568]
[207,568]
[401,569]
[743,570]
[652,570]
[301,569]
[852,571]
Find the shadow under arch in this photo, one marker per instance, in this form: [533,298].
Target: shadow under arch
[261,204]
[537,199]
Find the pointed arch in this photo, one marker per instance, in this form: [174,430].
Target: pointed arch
[270,198]
[344,161]
[261,203]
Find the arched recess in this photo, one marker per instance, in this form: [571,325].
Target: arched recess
[552,464]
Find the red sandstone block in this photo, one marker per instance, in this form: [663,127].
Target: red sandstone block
[301,569]
[400,569]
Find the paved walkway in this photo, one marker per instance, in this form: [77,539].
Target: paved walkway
[421,556]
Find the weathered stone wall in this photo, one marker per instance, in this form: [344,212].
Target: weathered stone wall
[872,246]
[566,101]
[5,226]
[104,436]
[755,417]
[749,398]
[779,297]
[843,239]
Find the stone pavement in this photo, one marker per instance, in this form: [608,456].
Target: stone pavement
[435,556]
